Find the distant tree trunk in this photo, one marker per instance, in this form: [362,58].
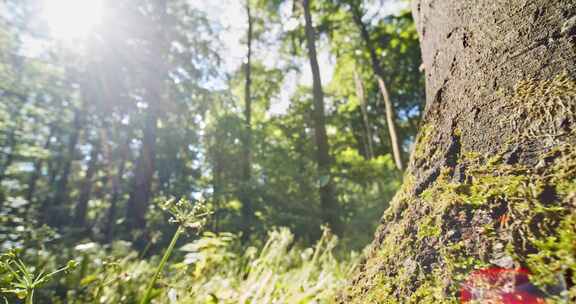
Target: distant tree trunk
[54,163]
[141,191]
[328,202]
[365,121]
[377,68]
[247,207]
[86,188]
[115,181]
[492,179]
[37,172]
[55,213]
[11,142]
[143,174]
[217,170]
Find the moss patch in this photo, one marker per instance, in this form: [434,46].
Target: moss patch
[493,212]
[498,204]
[424,138]
[542,108]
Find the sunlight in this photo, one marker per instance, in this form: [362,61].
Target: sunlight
[72,19]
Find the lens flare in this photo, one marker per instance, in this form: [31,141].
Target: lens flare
[72,19]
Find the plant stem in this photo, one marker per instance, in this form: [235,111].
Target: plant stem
[30,297]
[146,298]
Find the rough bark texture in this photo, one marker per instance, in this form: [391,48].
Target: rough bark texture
[328,201]
[492,179]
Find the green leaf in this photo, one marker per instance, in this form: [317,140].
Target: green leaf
[87,280]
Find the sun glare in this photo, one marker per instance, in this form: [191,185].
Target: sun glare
[72,19]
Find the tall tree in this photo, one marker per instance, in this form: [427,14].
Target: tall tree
[141,192]
[247,208]
[379,72]
[491,181]
[328,202]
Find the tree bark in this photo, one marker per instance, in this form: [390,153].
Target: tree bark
[369,147]
[247,207]
[328,202]
[491,181]
[86,188]
[379,72]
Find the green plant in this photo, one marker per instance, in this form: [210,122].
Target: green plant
[20,280]
[186,216]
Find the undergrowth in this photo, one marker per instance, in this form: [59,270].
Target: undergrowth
[212,268]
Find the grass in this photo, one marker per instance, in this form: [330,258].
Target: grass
[213,268]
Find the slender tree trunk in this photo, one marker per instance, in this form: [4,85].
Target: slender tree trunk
[86,188]
[365,121]
[37,170]
[116,182]
[377,68]
[143,175]
[55,212]
[10,155]
[217,189]
[491,182]
[247,207]
[328,202]
[54,163]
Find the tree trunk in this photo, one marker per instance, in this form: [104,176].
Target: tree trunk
[54,163]
[217,170]
[369,147]
[141,192]
[116,182]
[143,174]
[86,188]
[377,69]
[55,211]
[247,208]
[492,180]
[37,171]
[328,202]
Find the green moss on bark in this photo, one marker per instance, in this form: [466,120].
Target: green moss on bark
[496,212]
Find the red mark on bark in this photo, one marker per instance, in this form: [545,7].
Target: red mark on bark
[500,286]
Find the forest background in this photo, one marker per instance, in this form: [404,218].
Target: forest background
[277,117]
